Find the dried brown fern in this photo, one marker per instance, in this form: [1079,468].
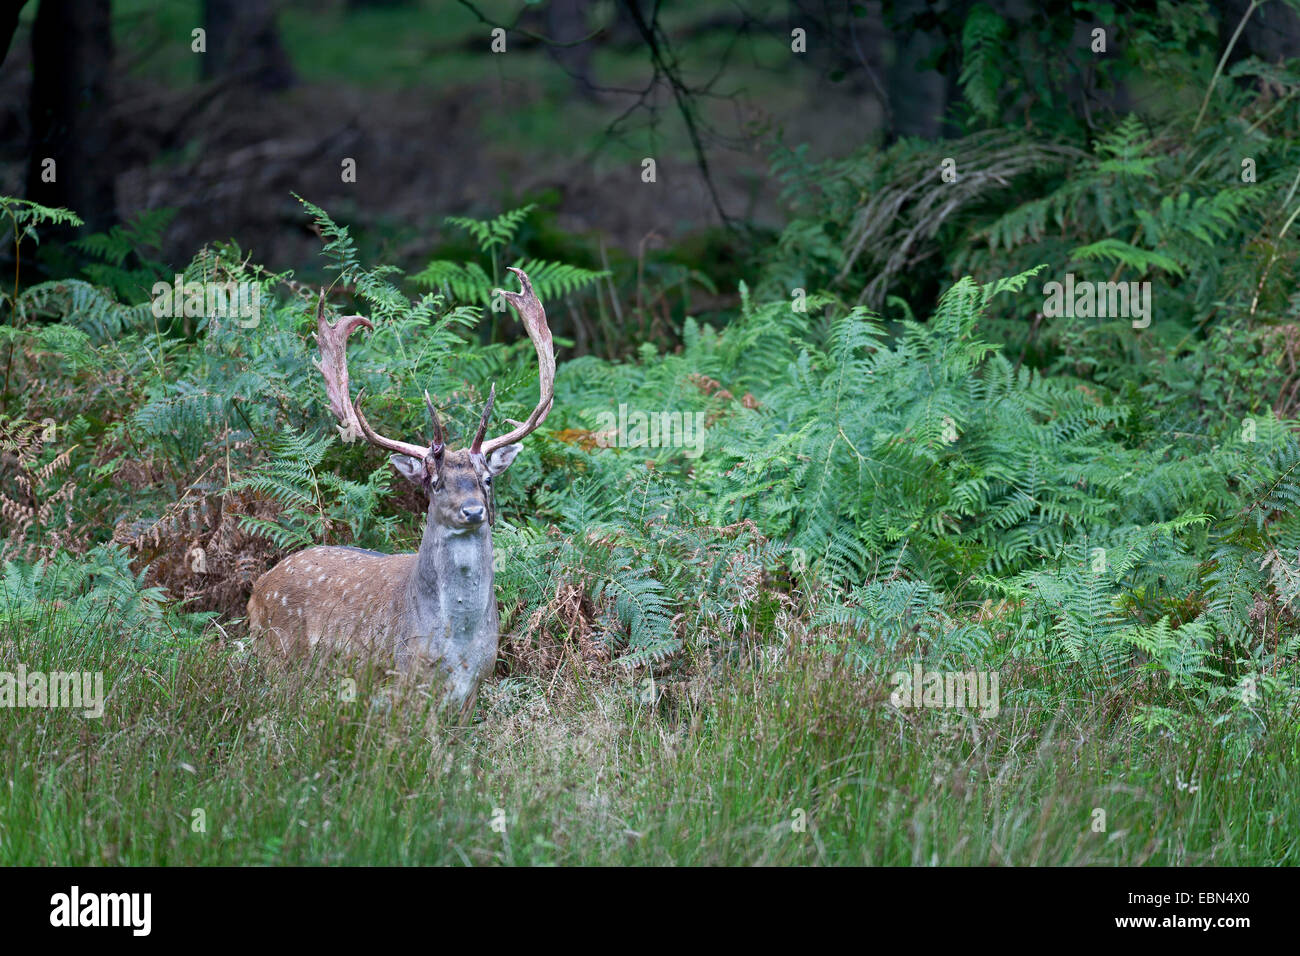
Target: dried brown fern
[30,504]
[196,548]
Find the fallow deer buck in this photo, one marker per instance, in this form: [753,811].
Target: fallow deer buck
[436,608]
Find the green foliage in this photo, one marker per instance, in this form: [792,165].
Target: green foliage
[659,576]
[470,282]
[88,307]
[907,473]
[311,502]
[491,234]
[75,591]
[125,269]
[1158,198]
[981,77]
[25,216]
[862,223]
[372,285]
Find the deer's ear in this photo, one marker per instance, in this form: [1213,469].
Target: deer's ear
[412,468]
[500,459]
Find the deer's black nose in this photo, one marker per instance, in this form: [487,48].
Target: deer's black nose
[472,513]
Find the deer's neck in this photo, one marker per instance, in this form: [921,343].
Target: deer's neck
[451,589]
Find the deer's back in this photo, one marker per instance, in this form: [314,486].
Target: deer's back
[332,595]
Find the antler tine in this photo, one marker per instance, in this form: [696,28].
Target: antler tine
[531,313]
[437,448]
[332,340]
[477,447]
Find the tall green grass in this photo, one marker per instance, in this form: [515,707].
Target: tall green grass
[794,757]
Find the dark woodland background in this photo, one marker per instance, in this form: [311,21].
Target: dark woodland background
[439,125]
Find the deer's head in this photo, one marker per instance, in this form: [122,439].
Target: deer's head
[459,482]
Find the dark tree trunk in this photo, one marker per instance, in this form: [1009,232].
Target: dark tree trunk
[71,101]
[244,45]
[8,24]
[918,97]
